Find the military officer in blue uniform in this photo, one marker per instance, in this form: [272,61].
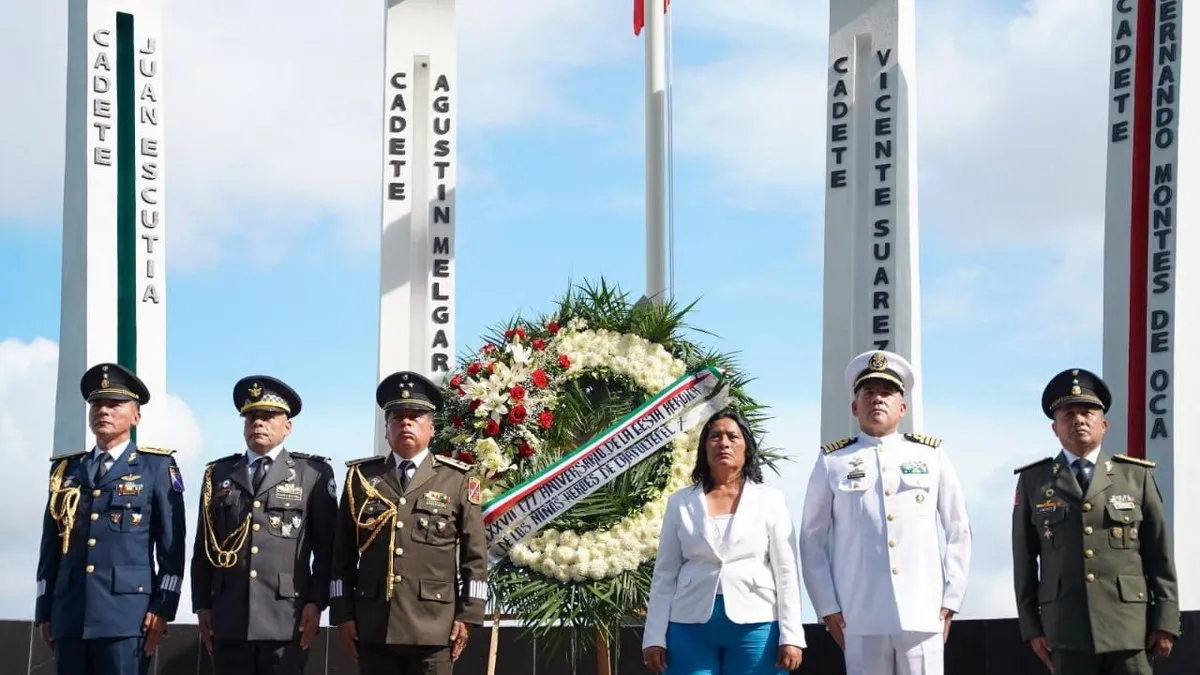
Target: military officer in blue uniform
[112,554]
[264,541]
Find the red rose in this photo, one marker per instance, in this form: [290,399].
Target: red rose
[520,333]
[539,344]
[564,361]
[465,457]
[517,393]
[488,348]
[539,379]
[508,334]
[474,368]
[545,419]
[456,382]
[457,422]
[552,327]
[492,428]
[517,414]
[475,403]
[492,367]
[525,449]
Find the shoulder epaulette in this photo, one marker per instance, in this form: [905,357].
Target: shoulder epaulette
[1030,465]
[165,452]
[227,458]
[450,461]
[931,441]
[69,455]
[1134,460]
[305,455]
[364,460]
[838,445]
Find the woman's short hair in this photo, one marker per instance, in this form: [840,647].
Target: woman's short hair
[751,470]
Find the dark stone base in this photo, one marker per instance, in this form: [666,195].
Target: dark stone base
[983,647]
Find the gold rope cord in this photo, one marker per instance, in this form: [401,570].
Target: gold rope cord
[64,501]
[377,524]
[226,554]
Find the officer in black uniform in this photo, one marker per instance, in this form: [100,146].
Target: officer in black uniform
[264,541]
[114,514]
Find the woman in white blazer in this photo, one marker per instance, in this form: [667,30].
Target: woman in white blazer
[725,597]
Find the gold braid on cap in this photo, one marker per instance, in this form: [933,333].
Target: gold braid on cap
[227,553]
[376,524]
[64,501]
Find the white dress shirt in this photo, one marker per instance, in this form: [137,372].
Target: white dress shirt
[1090,469]
[416,463]
[755,566]
[113,455]
[252,457]
[869,544]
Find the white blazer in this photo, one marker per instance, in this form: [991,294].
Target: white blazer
[758,571]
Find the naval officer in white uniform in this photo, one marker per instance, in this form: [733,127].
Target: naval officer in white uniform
[869,544]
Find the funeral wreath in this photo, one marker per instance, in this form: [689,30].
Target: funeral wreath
[580,424]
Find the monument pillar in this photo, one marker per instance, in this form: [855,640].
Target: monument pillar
[114,220]
[1151,277]
[416,295]
[871,280]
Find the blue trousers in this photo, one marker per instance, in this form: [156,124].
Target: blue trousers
[103,656]
[722,647]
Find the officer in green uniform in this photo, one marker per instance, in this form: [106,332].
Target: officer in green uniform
[1104,594]
[410,558]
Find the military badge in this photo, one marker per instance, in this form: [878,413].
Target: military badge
[289,492]
[275,521]
[435,500]
[296,522]
[474,490]
[914,467]
[1117,533]
[856,469]
[115,517]
[333,488]
[1121,502]
[130,477]
[1048,506]
[176,478]
[1133,533]
[136,519]
[129,489]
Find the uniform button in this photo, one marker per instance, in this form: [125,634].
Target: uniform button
[140,589]
[256,527]
[91,542]
[888,492]
[438,596]
[1140,595]
[399,578]
[891,516]
[895,571]
[403,501]
[95,493]
[254,549]
[892,543]
[90,569]
[399,551]
[95,516]
[1087,506]
[1090,577]
[1089,553]
[253,574]
[1087,529]
[399,524]
[1127,519]
[257,503]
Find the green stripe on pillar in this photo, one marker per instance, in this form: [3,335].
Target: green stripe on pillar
[126,197]
[126,201]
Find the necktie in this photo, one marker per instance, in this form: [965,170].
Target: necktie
[261,467]
[101,466]
[1081,466]
[404,477]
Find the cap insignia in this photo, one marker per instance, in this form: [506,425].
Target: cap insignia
[878,361]
[255,390]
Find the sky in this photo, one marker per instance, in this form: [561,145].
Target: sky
[273,210]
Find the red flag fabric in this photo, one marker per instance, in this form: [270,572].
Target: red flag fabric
[639,14]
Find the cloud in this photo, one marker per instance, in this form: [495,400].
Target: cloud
[1011,113]
[984,463]
[274,120]
[28,371]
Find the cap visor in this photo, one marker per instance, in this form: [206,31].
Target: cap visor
[883,377]
[1069,400]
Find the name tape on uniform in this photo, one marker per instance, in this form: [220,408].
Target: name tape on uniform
[526,508]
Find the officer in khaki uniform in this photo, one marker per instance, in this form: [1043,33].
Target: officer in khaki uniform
[409,562]
[1106,592]
[264,541]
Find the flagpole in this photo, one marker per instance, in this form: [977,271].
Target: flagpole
[656,151]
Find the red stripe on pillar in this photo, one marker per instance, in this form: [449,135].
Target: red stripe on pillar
[1139,225]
